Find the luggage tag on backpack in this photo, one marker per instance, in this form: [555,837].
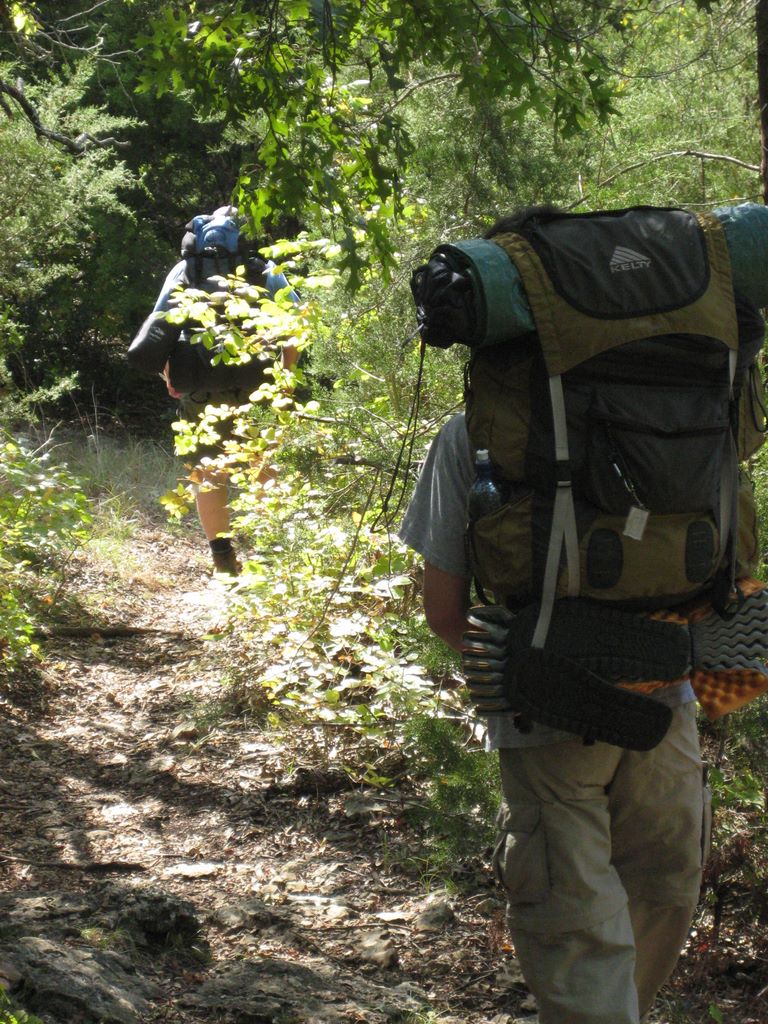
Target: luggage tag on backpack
[636,522]
[637,517]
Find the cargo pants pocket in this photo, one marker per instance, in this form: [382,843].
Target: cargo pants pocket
[520,858]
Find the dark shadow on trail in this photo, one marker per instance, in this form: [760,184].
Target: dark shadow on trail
[29,690]
[38,774]
[24,690]
[55,792]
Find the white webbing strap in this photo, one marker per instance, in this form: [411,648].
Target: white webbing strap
[563,529]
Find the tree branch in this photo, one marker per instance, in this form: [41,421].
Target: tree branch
[761,37]
[84,14]
[410,89]
[75,146]
[673,154]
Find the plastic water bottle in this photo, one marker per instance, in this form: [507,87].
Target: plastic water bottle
[484,495]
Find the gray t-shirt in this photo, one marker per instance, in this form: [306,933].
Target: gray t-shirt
[435,526]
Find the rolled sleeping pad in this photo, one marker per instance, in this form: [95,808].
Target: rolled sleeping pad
[471,293]
[746,231]
[511,316]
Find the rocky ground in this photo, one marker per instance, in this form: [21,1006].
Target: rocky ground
[162,863]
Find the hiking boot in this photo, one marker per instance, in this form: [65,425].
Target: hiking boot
[556,691]
[616,645]
[226,563]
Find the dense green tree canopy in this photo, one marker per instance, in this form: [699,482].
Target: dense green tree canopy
[319,87]
[384,125]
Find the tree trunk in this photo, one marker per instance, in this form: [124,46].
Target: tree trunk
[761,34]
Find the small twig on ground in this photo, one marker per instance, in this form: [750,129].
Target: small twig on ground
[475,978]
[370,925]
[108,631]
[69,865]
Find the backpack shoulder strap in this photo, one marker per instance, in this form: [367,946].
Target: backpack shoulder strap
[194,269]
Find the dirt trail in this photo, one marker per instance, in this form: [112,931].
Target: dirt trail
[160,863]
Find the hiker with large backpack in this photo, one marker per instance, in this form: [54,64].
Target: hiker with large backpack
[593,492]
[212,249]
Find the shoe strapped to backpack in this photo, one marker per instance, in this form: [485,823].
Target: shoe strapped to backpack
[571,684]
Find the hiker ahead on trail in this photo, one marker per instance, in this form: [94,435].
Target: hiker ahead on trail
[613,397]
[212,249]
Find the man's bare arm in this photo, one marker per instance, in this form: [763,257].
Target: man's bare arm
[446,600]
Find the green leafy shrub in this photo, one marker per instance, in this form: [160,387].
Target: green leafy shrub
[12,1014]
[327,615]
[463,793]
[43,513]
[42,505]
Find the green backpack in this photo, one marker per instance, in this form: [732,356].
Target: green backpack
[617,424]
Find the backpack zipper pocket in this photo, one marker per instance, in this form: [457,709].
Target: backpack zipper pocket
[634,465]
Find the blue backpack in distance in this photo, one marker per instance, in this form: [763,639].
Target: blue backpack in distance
[211,245]
[211,250]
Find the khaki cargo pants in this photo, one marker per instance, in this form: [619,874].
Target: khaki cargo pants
[600,852]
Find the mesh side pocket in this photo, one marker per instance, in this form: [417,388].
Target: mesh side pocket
[500,550]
